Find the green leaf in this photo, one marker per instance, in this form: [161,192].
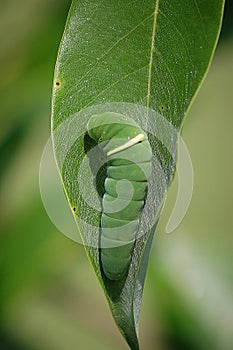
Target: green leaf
[147,58]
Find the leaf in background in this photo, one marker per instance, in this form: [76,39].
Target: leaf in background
[149,53]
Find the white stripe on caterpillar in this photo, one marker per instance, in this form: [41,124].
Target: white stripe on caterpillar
[134,141]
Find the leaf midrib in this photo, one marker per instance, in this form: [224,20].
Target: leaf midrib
[152,53]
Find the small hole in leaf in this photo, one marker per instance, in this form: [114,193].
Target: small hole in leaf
[74,209]
[162,108]
[57,83]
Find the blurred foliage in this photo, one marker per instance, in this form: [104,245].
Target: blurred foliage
[49,297]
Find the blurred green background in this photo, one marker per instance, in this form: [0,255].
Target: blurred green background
[49,295]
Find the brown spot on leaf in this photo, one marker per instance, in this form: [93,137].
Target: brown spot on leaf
[161,108]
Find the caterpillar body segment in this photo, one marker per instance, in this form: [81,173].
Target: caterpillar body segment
[128,154]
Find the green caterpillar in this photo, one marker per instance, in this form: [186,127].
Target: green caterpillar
[128,154]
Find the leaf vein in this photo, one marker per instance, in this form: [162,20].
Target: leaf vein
[113,84]
[180,34]
[152,53]
[201,18]
[112,47]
